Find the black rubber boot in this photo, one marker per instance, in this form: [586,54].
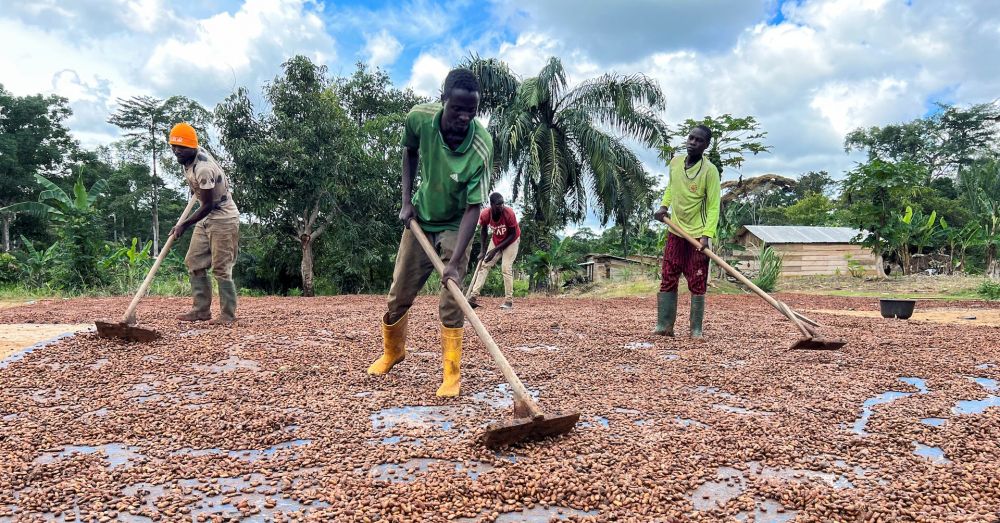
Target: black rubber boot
[697,315]
[666,313]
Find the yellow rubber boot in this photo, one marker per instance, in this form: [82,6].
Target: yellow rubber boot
[451,355]
[393,346]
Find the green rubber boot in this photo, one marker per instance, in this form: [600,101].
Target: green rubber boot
[697,315]
[666,313]
[201,294]
[227,303]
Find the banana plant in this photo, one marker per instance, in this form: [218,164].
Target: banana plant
[926,232]
[36,262]
[133,258]
[58,207]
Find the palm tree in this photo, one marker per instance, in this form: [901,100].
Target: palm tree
[565,147]
[547,266]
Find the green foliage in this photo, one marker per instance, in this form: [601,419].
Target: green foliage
[547,267]
[814,182]
[9,268]
[553,139]
[33,140]
[432,286]
[769,263]
[79,230]
[762,197]
[980,188]
[127,265]
[36,263]
[321,163]
[854,267]
[989,289]
[815,209]
[944,143]
[732,139]
[871,193]
[494,285]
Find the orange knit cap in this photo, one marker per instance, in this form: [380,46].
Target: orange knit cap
[183,134]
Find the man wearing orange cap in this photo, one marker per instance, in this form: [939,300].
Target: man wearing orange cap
[216,238]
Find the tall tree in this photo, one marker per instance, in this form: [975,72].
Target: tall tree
[33,140]
[552,139]
[980,186]
[758,193]
[945,142]
[732,139]
[295,166]
[814,182]
[147,122]
[872,194]
[970,133]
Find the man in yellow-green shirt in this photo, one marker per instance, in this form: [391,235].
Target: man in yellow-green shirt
[692,202]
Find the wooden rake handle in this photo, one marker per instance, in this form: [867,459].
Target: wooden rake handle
[479,267]
[521,395]
[782,308]
[129,317]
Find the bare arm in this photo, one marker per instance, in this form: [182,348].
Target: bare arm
[406,211]
[205,207]
[465,230]
[483,241]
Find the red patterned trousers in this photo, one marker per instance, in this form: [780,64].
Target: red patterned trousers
[680,257]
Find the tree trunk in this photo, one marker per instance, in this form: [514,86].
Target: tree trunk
[992,263]
[6,233]
[307,265]
[156,195]
[880,267]
[156,222]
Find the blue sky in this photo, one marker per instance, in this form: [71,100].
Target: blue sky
[809,70]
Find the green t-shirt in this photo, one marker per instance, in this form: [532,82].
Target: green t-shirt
[693,196]
[450,180]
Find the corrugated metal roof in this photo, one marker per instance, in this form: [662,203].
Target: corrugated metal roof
[797,234]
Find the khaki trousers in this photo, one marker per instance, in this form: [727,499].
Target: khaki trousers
[215,244]
[413,267]
[508,254]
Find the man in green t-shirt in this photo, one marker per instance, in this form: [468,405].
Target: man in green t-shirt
[692,194]
[454,153]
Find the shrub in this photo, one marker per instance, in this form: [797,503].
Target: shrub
[9,269]
[990,290]
[855,267]
[770,269]
[521,288]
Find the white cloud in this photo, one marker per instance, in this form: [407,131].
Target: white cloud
[382,49]
[847,106]
[226,50]
[95,51]
[620,30]
[428,74]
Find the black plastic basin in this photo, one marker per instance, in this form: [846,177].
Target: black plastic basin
[901,309]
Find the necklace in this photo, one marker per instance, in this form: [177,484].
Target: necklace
[701,165]
[692,185]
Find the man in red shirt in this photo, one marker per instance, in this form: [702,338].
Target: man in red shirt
[501,222]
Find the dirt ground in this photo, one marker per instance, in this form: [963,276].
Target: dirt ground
[17,336]
[276,418]
[948,315]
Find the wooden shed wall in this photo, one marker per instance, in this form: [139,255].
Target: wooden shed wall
[804,259]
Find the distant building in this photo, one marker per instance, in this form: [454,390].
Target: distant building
[805,250]
[602,267]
